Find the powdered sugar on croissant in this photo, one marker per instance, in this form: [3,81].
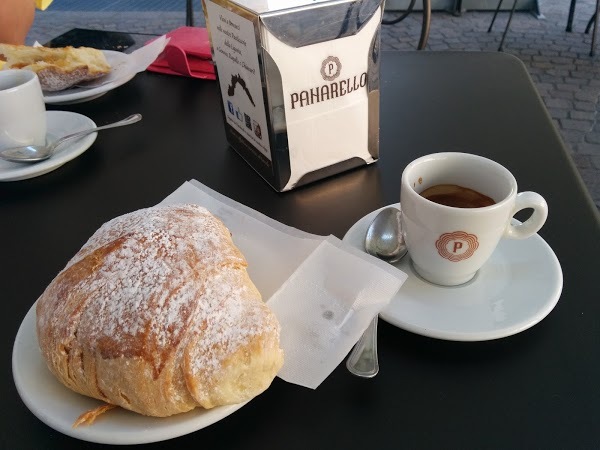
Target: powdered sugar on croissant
[157,314]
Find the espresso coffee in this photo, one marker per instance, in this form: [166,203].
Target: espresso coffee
[456,196]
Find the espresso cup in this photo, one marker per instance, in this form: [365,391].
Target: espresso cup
[449,244]
[22,109]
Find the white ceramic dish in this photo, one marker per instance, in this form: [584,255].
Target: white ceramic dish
[122,71]
[58,407]
[58,124]
[516,288]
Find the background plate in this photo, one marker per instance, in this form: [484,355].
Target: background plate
[120,74]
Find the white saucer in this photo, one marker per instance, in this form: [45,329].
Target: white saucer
[123,70]
[58,407]
[517,287]
[58,124]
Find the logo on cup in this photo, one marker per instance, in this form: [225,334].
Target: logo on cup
[331,68]
[457,246]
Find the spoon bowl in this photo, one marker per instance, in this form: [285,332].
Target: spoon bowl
[36,153]
[384,237]
[383,240]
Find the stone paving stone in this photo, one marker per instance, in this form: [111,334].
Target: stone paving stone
[593,137]
[567,78]
[583,115]
[572,136]
[558,103]
[587,148]
[577,125]
[585,106]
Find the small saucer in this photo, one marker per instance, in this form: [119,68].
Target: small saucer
[58,124]
[517,287]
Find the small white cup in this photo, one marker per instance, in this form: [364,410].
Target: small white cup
[22,109]
[448,245]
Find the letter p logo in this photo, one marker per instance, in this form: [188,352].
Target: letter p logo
[331,68]
[457,245]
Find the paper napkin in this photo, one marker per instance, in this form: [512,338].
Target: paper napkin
[323,292]
[144,56]
[187,54]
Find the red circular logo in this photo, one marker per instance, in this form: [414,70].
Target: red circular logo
[457,245]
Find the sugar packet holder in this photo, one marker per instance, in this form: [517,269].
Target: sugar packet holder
[323,292]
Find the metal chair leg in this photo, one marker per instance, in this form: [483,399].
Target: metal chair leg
[457,10]
[401,17]
[588,27]
[593,20]
[571,15]
[425,24]
[189,13]
[512,11]
[495,14]
[596,14]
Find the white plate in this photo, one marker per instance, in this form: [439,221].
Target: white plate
[58,124]
[58,407]
[122,71]
[517,287]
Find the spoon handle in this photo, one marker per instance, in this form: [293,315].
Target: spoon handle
[363,361]
[127,121]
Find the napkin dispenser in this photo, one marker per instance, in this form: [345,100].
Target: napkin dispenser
[299,83]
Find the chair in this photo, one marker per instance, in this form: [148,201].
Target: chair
[425,24]
[593,19]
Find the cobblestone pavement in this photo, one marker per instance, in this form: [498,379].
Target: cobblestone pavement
[567,78]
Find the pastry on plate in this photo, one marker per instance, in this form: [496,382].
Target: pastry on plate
[157,314]
[57,68]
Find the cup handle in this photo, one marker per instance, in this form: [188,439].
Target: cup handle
[535,222]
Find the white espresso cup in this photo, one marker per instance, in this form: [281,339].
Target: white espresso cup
[449,244]
[22,109]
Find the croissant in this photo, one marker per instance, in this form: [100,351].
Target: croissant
[157,314]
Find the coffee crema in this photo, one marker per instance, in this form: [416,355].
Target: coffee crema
[456,196]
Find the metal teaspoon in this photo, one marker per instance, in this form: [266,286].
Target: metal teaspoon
[35,153]
[383,240]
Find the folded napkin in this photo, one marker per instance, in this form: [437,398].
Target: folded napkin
[187,54]
[323,292]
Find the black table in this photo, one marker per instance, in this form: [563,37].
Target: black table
[536,389]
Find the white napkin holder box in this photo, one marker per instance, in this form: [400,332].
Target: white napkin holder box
[299,83]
